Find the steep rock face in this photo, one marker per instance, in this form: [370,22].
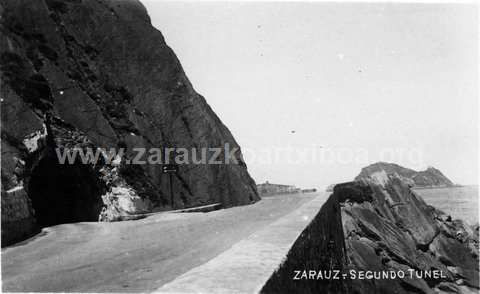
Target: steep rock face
[380,227]
[431,177]
[81,74]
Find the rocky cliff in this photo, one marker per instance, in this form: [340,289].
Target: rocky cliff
[429,178]
[371,229]
[79,74]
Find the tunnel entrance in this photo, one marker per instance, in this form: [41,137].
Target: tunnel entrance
[64,193]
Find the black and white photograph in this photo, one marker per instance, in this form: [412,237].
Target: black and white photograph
[162,146]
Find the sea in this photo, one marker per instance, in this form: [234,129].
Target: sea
[459,202]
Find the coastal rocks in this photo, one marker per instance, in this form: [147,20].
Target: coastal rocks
[403,233]
[429,178]
[79,75]
[382,230]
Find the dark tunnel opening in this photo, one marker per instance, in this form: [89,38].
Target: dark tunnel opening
[64,193]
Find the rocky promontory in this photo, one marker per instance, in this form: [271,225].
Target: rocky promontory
[429,178]
[380,237]
[81,74]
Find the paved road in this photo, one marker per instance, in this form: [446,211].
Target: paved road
[246,266]
[137,255]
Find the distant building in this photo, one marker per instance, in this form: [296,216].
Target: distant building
[272,189]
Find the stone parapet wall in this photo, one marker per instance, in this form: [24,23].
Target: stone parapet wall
[18,221]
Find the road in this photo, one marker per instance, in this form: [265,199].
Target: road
[248,264]
[133,256]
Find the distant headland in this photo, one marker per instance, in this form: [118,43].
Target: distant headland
[429,178]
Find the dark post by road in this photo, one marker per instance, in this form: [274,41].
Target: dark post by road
[170,169]
[171,191]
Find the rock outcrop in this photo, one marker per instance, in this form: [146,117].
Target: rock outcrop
[369,228]
[429,178]
[390,228]
[79,74]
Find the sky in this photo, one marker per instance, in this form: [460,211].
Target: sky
[315,91]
